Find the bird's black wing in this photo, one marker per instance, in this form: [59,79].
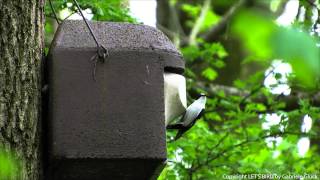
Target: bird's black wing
[175,126]
[193,111]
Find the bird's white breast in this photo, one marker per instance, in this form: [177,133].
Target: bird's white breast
[175,96]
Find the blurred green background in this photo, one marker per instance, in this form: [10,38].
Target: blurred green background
[259,63]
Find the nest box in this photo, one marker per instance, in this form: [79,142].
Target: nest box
[112,127]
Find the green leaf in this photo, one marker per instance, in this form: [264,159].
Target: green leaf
[214,116]
[251,107]
[191,53]
[100,11]
[219,63]
[210,19]
[278,76]
[255,31]
[300,50]
[191,10]
[210,74]
[239,84]
[8,166]
[267,41]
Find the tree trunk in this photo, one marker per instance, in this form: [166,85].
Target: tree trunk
[168,20]
[21,48]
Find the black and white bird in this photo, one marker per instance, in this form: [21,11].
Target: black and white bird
[192,114]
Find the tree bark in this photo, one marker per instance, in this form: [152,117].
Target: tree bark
[21,48]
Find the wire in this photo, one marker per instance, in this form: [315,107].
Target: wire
[54,12]
[102,52]
[85,20]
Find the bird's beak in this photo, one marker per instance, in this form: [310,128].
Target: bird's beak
[174,95]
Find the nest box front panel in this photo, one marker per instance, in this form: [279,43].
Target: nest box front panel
[120,114]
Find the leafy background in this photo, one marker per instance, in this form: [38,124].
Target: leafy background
[261,78]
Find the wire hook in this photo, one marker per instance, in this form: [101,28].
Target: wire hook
[102,52]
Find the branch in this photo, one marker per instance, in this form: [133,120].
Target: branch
[54,12]
[213,33]
[168,21]
[176,19]
[292,100]
[232,147]
[196,28]
[171,34]
[311,3]
[254,91]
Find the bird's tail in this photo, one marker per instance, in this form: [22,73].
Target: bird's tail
[179,134]
[180,128]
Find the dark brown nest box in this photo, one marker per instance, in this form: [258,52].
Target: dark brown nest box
[112,127]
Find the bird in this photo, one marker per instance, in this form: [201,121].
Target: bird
[192,114]
[175,98]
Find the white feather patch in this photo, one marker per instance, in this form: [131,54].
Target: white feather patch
[174,96]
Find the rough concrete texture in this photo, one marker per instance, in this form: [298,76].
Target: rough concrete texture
[111,128]
[113,169]
[118,37]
